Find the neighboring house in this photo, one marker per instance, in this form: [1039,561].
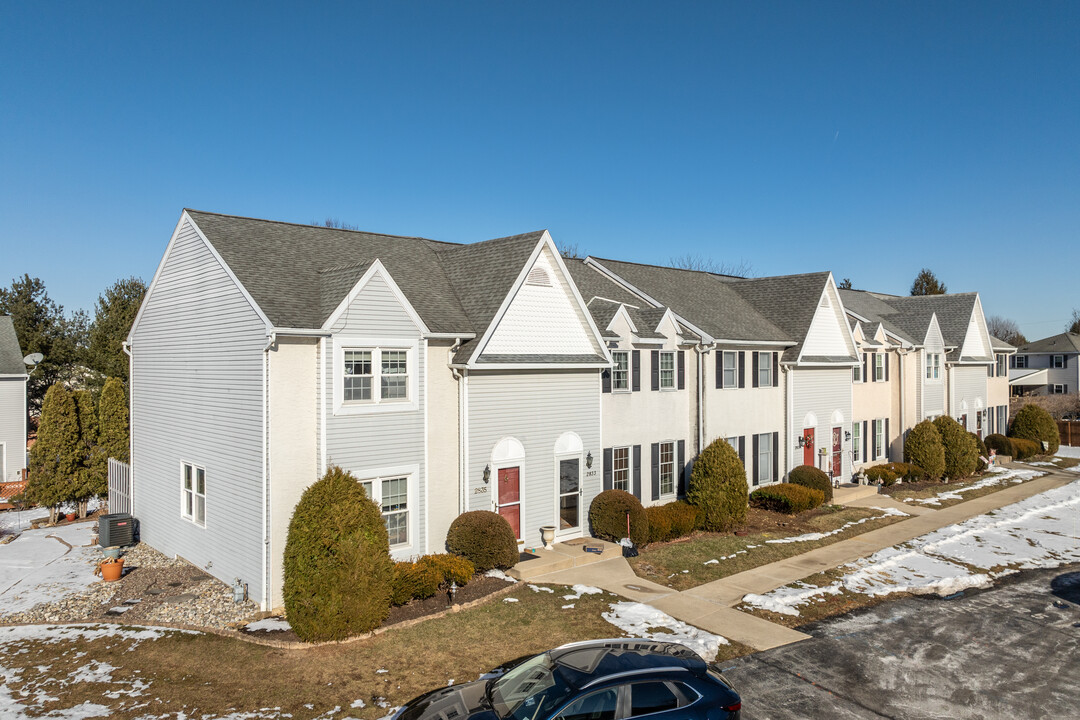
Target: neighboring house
[1050,366]
[13,377]
[445,377]
[997,387]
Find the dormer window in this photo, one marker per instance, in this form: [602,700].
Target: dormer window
[538,276]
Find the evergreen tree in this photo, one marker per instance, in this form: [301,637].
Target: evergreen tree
[113,421]
[845,284]
[113,316]
[92,478]
[927,283]
[55,456]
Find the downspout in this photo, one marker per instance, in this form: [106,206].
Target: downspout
[789,416]
[265,602]
[461,423]
[902,354]
[131,436]
[701,351]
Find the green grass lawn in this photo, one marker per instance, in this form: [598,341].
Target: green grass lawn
[202,674]
[682,564]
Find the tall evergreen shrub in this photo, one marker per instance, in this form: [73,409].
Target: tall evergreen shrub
[1034,423]
[718,487]
[113,420]
[923,447]
[91,480]
[55,456]
[961,452]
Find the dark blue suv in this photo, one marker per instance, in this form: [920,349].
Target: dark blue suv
[593,680]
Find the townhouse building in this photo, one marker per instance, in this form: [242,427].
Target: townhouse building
[1050,366]
[13,379]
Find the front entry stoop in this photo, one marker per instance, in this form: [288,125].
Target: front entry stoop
[847,493]
[565,555]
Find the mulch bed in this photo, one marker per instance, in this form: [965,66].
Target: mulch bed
[479,587]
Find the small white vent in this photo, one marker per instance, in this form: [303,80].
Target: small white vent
[538,276]
[825,301]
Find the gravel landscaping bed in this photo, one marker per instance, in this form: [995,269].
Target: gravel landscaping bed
[154,589]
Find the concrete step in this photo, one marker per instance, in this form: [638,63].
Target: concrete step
[564,556]
[845,494]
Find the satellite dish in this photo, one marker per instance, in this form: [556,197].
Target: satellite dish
[33,358]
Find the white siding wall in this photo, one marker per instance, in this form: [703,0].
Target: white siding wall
[968,392]
[364,444]
[442,491]
[823,392]
[12,427]
[197,394]
[933,391]
[536,408]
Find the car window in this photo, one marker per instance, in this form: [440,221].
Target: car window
[597,706]
[651,697]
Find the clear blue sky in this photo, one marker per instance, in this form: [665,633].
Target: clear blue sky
[866,138]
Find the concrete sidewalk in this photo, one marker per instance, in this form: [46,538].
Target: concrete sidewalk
[710,606]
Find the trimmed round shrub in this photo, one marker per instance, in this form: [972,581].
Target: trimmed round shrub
[607,517]
[1024,449]
[882,473]
[905,471]
[786,498]
[1034,423]
[1000,444]
[673,520]
[961,454]
[718,487]
[980,446]
[923,447]
[485,539]
[811,477]
[429,574]
[338,575]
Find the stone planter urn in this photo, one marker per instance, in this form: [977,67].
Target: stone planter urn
[547,533]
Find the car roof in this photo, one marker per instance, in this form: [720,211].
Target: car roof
[588,663]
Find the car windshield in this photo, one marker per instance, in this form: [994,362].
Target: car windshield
[531,690]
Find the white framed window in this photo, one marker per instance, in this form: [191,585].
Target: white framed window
[1057,390]
[856,373]
[1021,361]
[733,442]
[1057,361]
[193,493]
[764,370]
[764,458]
[933,366]
[667,370]
[1001,371]
[731,369]
[620,469]
[856,442]
[879,439]
[620,374]
[879,367]
[667,468]
[391,494]
[375,376]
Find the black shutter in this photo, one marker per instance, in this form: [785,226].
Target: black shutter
[1065,360]
[865,456]
[886,367]
[719,369]
[888,445]
[1012,361]
[865,357]
[754,368]
[873,367]
[682,370]
[605,380]
[742,369]
[754,475]
[742,450]
[608,461]
[681,469]
[655,471]
[775,456]
[636,370]
[776,369]
[637,471]
[655,369]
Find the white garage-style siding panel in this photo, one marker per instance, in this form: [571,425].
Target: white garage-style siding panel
[197,368]
[365,444]
[968,392]
[535,409]
[933,391]
[822,393]
[12,428]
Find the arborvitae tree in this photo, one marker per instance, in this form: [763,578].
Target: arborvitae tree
[113,417]
[55,456]
[927,283]
[924,448]
[718,487]
[961,451]
[92,479]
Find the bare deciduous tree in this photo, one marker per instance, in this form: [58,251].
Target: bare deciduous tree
[1005,329]
[570,251]
[693,261]
[845,284]
[331,222]
[1074,322]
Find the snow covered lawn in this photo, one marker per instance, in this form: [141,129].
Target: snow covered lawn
[39,566]
[997,477]
[1039,532]
[1068,452]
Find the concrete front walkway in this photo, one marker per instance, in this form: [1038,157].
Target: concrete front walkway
[711,606]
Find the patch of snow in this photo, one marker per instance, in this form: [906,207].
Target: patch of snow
[808,537]
[539,588]
[38,566]
[568,607]
[1065,451]
[497,573]
[510,599]
[994,477]
[89,631]
[380,671]
[270,624]
[120,609]
[645,621]
[1039,532]
[357,704]
[579,590]
[714,561]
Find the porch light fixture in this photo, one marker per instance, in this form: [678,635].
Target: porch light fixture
[487,474]
[847,436]
[588,460]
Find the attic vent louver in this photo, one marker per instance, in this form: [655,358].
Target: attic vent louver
[538,276]
[825,301]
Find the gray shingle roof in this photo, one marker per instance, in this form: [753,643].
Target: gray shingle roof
[789,301]
[11,356]
[909,316]
[873,308]
[294,271]
[999,344]
[1063,343]
[708,301]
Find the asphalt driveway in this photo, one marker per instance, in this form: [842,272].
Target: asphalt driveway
[1006,652]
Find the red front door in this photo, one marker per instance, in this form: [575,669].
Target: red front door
[808,447]
[510,498]
[837,446]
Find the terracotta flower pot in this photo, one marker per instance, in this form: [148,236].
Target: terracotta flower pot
[111,571]
[70,517]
